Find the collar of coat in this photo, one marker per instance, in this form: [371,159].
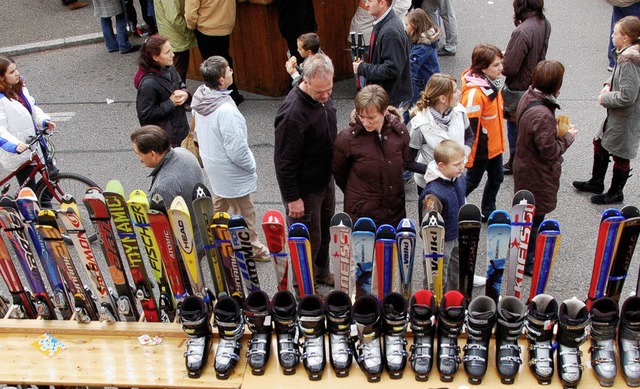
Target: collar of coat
[392,122]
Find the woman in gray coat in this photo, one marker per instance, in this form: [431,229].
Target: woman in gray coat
[619,135]
[105,10]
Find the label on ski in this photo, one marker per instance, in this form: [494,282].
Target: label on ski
[274,232]
[241,242]
[547,244]
[114,198]
[344,269]
[203,214]
[224,248]
[608,234]
[432,232]
[498,235]
[21,297]
[406,241]
[469,225]
[364,239]
[301,259]
[521,221]
[384,265]
[624,251]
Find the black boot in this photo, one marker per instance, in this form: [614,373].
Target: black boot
[257,314]
[614,195]
[394,326]
[596,183]
[542,316]
[480,320]
[629,341]
[286,327]
[339,329]
[604,322]
[573,319]
[450,321]
[507,168]
[366,314]
[228,320]
[422,318]
[511,315]
[195,317]
[311,325]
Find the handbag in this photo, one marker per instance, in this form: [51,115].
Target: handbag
[511,99]
[190,142]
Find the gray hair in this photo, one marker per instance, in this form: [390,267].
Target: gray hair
[317,66]
[212,69]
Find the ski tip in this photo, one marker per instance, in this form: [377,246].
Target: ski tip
[200,191]
[178,204]
[8,202]
[27,193]
[523,196]
[469,212]
[237,221]
[157,203]
[298,230]
[630,211]
[273,216]
[549,225]
[406,225]
[432,218]
[386,231]
[220,218]
[114,186]
[341,218]
[499,217]
[138,195]
[365,224]
[610,212]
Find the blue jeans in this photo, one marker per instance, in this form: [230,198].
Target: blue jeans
[512,136]
[495,176]
[617,14]
[120,41]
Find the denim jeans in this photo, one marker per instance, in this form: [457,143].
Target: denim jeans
[120,41]
[495,176]
[617,14]
[512,136]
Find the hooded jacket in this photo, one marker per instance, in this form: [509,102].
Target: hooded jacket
[423,60]
[224,148]
[368,166]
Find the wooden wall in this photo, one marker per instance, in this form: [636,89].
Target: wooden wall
[259,51]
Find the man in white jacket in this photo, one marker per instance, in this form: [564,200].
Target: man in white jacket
[222,136]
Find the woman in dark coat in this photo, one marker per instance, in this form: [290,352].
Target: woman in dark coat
[369,157]
[538,163]
[162,96]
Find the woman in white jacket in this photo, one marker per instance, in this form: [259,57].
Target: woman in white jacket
[20,117]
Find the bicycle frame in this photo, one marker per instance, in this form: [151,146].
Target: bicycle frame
[39,167]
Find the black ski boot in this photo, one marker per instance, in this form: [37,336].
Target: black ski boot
[394,326]
[228,320]
[257,315]
[480,320]
[573,319]
[422,318]
[285,323]
[541,318]
[450,321]
[629,340]
[596,183]
[195,318]
[366,314]
[511,314]
[339,329]
[311,324]
[604,322]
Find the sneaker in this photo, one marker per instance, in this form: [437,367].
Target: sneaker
[77,5]
[479,281]
[133,49]
[445,53]
[327,279]
[609,68]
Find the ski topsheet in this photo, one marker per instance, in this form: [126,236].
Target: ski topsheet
[22,300]
[432,232]
[406,241]
[224,248]
[114,198]
[99,214]
[624,251]
[608,233]
[241,242]
[521,221]
[203,209]
[364,238]
[498,235]
[469,225]
[301,259]
[547,245]
[344,269]
[274,232]
[384,265]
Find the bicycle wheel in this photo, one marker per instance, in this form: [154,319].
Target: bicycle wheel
[75,185]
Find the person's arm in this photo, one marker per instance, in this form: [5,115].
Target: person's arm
[191,13]
[288,152]
[629,85]
[341,163]
[149,106]
[393,59]
[233,130]
[413,165]
[549,146]
[469,137]
[37,113]
[515,53]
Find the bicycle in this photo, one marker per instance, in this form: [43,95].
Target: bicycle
[52,184]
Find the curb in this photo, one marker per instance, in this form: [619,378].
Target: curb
[78,40]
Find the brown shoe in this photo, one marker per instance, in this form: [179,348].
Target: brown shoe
[77,5]
[327,279]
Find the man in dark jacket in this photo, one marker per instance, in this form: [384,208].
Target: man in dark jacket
[295,17]
[389,49]
[305,129]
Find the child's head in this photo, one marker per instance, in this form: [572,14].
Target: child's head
[417,23]
[449,155]
[441,88]
[308,44]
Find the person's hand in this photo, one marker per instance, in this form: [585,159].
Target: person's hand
[356,64]
[50,126]
[296,208]
[573,130]
[179,97]
[290,65]
[21,148]
[605,89]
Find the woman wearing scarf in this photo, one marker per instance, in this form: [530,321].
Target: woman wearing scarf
[481,97]
[162,96]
